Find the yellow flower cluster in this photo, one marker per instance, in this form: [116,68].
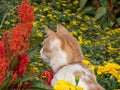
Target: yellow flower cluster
[110,68]
[89,63]
[64,85]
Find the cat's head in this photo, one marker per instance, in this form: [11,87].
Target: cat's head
[61,45]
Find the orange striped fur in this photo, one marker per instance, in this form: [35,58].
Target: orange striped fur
[62,51]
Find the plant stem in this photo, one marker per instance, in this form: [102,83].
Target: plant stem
[6,14]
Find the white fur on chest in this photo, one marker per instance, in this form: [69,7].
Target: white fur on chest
[67,74]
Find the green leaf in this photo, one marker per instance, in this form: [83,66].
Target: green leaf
[32,52]
[82,3]
[86,9]
[118,20]
[41,86]
[5,84]
[14,63]
[76,80]
[23,79]
[100,12]
[8,50]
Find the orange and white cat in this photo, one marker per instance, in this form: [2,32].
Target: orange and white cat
[63,53]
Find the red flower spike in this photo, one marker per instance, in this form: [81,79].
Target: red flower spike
[16,40]
[4,64]
[23,61]
[3,52]
[6,34]
[49,75]
[25,12]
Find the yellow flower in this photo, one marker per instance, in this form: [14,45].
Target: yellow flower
[118,78]
[13,24]
[38,14]
[57,2]
[87,42]
[111,48]
[87,17]
[75,2]
[0,26]
[86,61]
[40,64]
[34,24]
[43,17]
[107,28]
[43,76]
[93,19]
[79,88]
[63,85]
[39,33]
[84,28]
[87,55]
[89,63]
[83,25]
[12,20]
[37,78]
[0,36]
[35,69]
[73,33]
[63,23]
[79,16]
[64,5]
[7,22]
[100,70]
[46,9]
[50,15]
[80,41]
[74,22]
[110,68]
[35,8]
[36,55]
[96,26]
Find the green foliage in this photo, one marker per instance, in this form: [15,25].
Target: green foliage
[98,44]
[99,10]
[82,3]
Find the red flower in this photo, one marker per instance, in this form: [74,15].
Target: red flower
[26,29]
[14,76]
[3,52]
[4,64]
[6,34]
[49,75]
[27,85]
[3,68]
[16,40]
[25,12]
[23,61]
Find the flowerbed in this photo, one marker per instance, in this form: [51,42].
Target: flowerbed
[100,46]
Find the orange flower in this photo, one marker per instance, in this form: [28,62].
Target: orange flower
[3,68]
[3,52]
[3,60]
[25,12]
[26,29]
[16,40]
[23,61]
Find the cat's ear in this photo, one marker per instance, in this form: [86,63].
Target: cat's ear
[49,31]
[51,34]
[61,28]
